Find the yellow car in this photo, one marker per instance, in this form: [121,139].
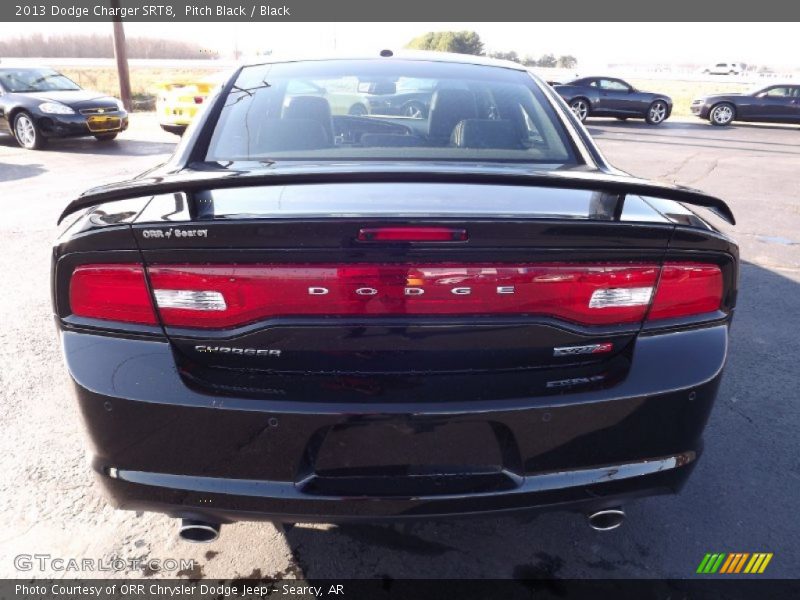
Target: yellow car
[179,101]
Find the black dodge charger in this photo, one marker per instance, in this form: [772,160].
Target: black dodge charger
[611,97]
[39,104]
[313,316]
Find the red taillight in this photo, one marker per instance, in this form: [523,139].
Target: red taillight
[111,292]
[412,234]
[687,289]
[198,99]
[226,296]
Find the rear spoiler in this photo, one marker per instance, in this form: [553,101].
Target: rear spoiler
[194,181]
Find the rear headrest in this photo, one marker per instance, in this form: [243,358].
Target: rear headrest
[310,107]
[276,135]
[448,107]
[486,133]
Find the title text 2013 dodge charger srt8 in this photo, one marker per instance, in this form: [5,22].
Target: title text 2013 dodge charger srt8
[313,316]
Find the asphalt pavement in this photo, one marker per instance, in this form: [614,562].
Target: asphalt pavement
[743,496]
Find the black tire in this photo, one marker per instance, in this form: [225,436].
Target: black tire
[27,132]
[722,114]
[580,108]
[656,113]
[358,110]
[174,129]
[414,110]
[105,137]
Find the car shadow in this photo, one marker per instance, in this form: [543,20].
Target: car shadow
[700,125]
[680,135]
[118,147]
[750,443]
[11,172]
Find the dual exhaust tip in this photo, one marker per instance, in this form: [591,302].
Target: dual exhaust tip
[203,532]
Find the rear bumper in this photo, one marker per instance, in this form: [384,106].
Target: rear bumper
[160,445]
[177,113]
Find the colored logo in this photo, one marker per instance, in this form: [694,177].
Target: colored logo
[735,562]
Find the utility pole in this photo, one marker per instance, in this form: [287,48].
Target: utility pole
[121,55]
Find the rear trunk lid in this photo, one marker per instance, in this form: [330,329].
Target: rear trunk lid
[345,280]
[380,278]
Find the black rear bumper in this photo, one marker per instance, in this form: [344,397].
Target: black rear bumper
[160,445]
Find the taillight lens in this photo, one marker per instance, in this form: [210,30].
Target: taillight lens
[687,289]
[111,292]
[224,296]
[592,295]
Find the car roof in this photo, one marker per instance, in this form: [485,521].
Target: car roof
[414,55]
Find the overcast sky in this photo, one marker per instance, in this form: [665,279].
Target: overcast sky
[773,44]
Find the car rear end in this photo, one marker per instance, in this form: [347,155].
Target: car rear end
[381,341]
[178,103]
[333,368]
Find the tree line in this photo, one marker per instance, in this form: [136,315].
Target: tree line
[469,42]
[95,46]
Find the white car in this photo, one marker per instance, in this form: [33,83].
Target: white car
[724,69]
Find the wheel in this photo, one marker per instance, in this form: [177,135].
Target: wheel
[580,106]
[27,133]
[358,110]
[105,137]
[656,113]
[413,109]
[176,129]
[722,114]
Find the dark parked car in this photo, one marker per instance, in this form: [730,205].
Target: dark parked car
[39,104]
[610,97]
[414,104]
[770,104]
[307,316]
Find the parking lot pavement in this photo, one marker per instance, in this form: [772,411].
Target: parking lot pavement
[743,495]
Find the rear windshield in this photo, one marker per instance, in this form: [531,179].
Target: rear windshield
[387,110]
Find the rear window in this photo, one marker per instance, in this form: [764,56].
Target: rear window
[387,110]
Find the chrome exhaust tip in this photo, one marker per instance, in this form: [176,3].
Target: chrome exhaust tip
[198,532]
[606,520]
